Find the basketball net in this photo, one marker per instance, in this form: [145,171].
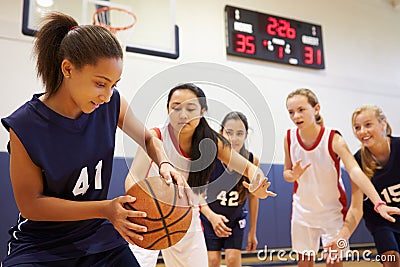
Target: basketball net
[119,21]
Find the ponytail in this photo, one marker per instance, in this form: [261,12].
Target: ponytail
[61,38]
[198,179]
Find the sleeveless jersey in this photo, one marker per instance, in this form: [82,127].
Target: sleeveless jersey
[387,183]
[223,195]
[319,199]
[191,250]
[181,162]
[76,157]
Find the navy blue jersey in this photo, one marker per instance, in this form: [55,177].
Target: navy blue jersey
[75,156]
[223,194]
[387,184]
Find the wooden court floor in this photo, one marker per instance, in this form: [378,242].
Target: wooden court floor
[255,262]
[345,264]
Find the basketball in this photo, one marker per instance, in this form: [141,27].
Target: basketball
[168,216]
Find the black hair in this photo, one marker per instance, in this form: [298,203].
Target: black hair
[236,115]
[198,179]
[61,38]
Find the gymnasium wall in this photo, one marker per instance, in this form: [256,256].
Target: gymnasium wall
[360,38]
[360,44]
[273,227]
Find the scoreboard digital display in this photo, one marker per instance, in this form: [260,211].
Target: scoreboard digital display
[267,37]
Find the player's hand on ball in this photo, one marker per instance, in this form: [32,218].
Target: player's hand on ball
[170,174]
[118,215]
[168,216]
[259,187]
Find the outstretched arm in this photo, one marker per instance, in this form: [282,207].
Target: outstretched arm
[150,143]
[359,178]
[258,182]
[139,168]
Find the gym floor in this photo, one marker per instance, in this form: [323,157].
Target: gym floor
[345,264]
[253,261]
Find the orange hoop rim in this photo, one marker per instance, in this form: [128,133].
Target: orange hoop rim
[110,27]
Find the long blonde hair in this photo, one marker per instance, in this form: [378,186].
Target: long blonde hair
[368,162]
[312,100]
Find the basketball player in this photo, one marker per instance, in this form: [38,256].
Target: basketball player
[319,200]
[61,153]
[379,158]
[224,217]
[181,139]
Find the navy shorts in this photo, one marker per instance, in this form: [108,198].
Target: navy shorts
[386,240]
[234,241]
[120,256]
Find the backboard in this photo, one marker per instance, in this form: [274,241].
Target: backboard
[154,33]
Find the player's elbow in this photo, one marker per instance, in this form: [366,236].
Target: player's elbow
[28,213]
[29,210]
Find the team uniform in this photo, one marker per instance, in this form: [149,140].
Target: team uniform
[387,183]
[191,250]
[76,158]
[223,198]
[319,201]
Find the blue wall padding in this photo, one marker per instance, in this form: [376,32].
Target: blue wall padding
[273,228]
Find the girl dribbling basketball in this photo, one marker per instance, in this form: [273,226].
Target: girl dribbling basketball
[61,153]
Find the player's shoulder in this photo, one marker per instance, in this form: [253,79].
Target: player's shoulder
[156,132]
[357,156]
[395,140]
[27,114]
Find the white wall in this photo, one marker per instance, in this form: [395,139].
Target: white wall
[361,51]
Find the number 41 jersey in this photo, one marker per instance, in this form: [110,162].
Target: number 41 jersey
[75,156]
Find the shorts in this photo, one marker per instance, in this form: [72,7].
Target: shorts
[234,241]
[386,240]
[189,252]
[120,256]
[307,239]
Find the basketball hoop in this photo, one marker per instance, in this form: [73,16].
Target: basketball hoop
[102,17]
